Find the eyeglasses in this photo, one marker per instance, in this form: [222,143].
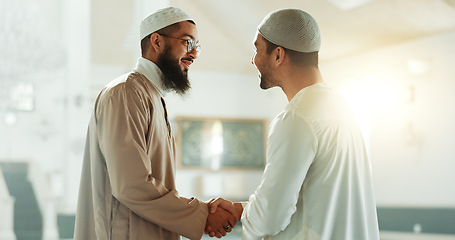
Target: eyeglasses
[190,44]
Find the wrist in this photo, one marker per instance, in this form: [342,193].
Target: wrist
[239,208]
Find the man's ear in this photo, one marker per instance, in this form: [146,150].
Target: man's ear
[279,54]
[156,42]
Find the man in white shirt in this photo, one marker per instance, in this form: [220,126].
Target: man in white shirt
[317,182]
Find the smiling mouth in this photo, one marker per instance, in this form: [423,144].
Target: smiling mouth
[186,63]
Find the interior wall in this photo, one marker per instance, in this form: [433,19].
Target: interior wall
[48,47]
[408,92]
[224,94]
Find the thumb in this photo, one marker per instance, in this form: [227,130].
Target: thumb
[213,205]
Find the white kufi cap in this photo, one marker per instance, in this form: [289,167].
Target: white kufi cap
[293,29]
[161,19]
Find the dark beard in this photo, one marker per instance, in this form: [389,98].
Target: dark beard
[267,80]
[174,77]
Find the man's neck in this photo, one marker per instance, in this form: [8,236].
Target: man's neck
[300,79]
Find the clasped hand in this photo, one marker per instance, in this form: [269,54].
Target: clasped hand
[223,215]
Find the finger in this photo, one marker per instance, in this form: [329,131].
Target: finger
[232,221]
[209,205]
[212,200]
[208,229]
[222,231]
[214,205]
[230,207]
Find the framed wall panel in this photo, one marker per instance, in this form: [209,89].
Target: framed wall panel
[221,143]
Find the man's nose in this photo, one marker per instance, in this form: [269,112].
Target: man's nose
[193,54]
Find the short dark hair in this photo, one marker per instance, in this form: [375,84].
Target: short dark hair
[300,59]
[166,31]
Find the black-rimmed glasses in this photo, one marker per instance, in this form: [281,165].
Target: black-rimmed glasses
[190,44]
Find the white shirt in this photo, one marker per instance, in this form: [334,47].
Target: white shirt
[153,73]
[317,182]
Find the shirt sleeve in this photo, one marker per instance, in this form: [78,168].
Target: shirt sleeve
[290,152]
[123,120]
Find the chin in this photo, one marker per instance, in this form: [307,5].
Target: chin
[264,86]
[184,69]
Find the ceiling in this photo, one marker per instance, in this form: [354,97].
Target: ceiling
[227,28]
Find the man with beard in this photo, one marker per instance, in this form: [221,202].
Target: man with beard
[127,188]
[317,183]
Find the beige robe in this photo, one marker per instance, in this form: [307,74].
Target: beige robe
[127,188]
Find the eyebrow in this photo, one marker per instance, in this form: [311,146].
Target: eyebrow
[188,35]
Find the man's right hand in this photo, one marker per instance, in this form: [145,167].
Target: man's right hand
[219,223]
[214,205]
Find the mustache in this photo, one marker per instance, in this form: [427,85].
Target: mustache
[187,59]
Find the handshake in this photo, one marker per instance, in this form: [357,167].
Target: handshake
[223,215]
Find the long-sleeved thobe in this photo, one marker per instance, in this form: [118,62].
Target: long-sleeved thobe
[317,183]
[127,188]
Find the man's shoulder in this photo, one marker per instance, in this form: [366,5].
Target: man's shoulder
[131,82]
[116,82]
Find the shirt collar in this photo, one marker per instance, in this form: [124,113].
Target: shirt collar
[153,73]
[303,90]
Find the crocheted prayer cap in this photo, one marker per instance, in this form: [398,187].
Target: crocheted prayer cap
[161,19]
[293,29]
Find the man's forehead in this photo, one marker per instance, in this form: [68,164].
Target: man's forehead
[188,29]
[257,39]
